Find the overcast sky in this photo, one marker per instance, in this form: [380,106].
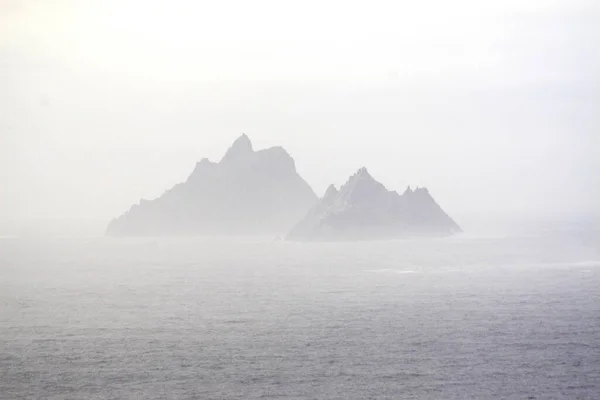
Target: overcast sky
[493,105]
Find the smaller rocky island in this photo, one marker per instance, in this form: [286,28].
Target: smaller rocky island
[363,209]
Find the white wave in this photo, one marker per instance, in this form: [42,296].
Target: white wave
[566,264]
[392,271]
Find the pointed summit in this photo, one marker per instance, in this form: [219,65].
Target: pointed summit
[243,140]
[241,148]
[360,187]
[242,143]
[364,209]
[360,176]
[362,172]
[247,193]
[330,192]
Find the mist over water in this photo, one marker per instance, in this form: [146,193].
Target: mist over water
[182,318]
[468,118]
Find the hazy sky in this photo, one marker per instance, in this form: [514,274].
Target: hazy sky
[495,106]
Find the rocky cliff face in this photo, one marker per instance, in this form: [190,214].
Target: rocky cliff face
[363,209]
[247,193]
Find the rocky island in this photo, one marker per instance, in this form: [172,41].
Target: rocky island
[363,209]
[247,193]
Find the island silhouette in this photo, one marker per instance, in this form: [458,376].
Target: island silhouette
[252,192]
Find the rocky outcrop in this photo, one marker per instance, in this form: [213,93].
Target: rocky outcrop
[363,209]
[247,193]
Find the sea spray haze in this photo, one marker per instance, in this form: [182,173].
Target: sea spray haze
[491,106]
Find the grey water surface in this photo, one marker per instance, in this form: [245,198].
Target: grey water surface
[208,318]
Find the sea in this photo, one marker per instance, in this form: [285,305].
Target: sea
[468,317]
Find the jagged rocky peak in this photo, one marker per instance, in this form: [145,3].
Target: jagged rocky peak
[246,193]
[240,149]
[330,192]
[361,186]
[363,209]
[361,174]
[277,157]
[243,142]
[202,167]
[242,155]
[205,162]
[422,192]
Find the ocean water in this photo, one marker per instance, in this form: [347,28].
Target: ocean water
[459,318]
